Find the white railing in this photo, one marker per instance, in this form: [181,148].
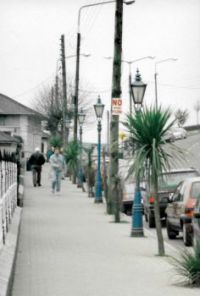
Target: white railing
[8,195]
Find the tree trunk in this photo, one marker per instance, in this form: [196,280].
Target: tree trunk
[161,248]
[105,176]
[74,174]
[117,201]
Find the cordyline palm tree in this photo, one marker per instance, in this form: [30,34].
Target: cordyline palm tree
[55,141]
[181,116]
[148,129]
[71,155]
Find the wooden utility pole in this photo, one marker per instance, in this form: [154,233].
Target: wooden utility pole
[108,133]
[64,87]
[77,86]
[114,125]
[56,90]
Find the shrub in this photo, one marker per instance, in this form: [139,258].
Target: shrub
[188,265]
[55,141]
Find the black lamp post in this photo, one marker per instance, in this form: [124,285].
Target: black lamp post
[81,119]
[99,108]
[137,90]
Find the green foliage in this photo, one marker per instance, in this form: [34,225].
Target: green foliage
[181,116]
[148,130]
[188,265]
[71,155]
[55,141]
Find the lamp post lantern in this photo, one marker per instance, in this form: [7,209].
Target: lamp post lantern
[137,90]
[67,125]
[81,119]
[99,108]
[129,63]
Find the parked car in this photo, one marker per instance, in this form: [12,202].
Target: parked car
[128,187]
[128,192]
[169,136]
[167,183]
[181,208]
[179,133]
[196,223]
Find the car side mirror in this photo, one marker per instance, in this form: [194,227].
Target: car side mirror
[142,188]
[197,215]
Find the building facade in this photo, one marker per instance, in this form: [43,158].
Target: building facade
[21,121]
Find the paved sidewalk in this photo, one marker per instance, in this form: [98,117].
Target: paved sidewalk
[68,246]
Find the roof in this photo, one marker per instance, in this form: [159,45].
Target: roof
[192,180]
[183,170]
[9,106]
[45,134]
[6,139]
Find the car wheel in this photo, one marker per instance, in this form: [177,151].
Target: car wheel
[128,212]
[195,241]
[170,232]
[187,236]
[151,221]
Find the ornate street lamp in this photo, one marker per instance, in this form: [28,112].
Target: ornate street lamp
[99,108]
[67,122]
[59,126]
[67,125]
[138,90]
[81,119]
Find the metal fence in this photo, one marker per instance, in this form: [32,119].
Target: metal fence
[8,192]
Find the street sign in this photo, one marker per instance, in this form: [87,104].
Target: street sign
[116,106]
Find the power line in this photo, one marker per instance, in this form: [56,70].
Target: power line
[33,88]
[176,86]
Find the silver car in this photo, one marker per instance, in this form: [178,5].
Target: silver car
[196,223]
[179,133]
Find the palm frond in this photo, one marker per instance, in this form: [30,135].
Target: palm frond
[71,154]
[147,131]
[188,265]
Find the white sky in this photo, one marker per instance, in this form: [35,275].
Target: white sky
[30,31]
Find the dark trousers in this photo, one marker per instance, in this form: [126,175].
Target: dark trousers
[36,169]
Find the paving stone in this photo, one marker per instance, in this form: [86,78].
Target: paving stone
[68,246]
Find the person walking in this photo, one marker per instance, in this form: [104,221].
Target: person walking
[36,161]
[57,163]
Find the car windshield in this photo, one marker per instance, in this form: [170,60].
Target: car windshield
[195,192]
[172,179]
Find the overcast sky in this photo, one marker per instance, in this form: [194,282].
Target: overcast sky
[30,31]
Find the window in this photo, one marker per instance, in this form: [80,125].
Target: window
[2,120]
[195,190]
[172,179]
[178,194]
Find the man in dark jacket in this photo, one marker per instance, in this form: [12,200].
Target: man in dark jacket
[36,161]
